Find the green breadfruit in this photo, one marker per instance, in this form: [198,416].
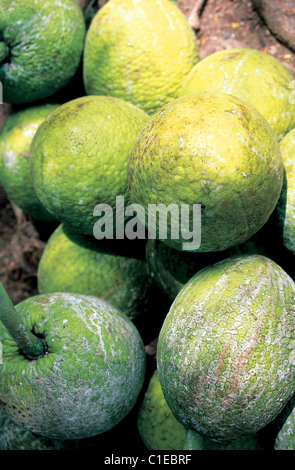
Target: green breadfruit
[41,44]
[226,349]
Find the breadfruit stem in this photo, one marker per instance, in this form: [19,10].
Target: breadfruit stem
[31,346]
[193,440]
[4,51]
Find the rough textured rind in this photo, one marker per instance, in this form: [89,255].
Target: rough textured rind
[91,376]
[79,158]
[45,40]
[14,437]
[128,52]
[226,349]
[67,267]
[15,140]
[286,204]
[254,76]
[211,149]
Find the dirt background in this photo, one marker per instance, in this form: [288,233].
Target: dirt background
[218,24]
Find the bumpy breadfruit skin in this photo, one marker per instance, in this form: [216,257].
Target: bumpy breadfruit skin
[79,158]
[226,349]
[254,76]
[15,437]
[160,430]
[156,424]
[210,149]
[139,52]
[171,269]
[15,140]
[88,380]
[44,41]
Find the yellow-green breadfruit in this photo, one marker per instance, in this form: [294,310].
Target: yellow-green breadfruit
[67,267]
[251,75]
[139,51]
[41,44]
[160,430]
[79,159]
[211,162]
[15,139]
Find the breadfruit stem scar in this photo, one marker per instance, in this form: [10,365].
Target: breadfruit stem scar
[31,346]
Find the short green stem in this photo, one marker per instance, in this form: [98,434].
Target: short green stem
[31,346]
[4,51]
